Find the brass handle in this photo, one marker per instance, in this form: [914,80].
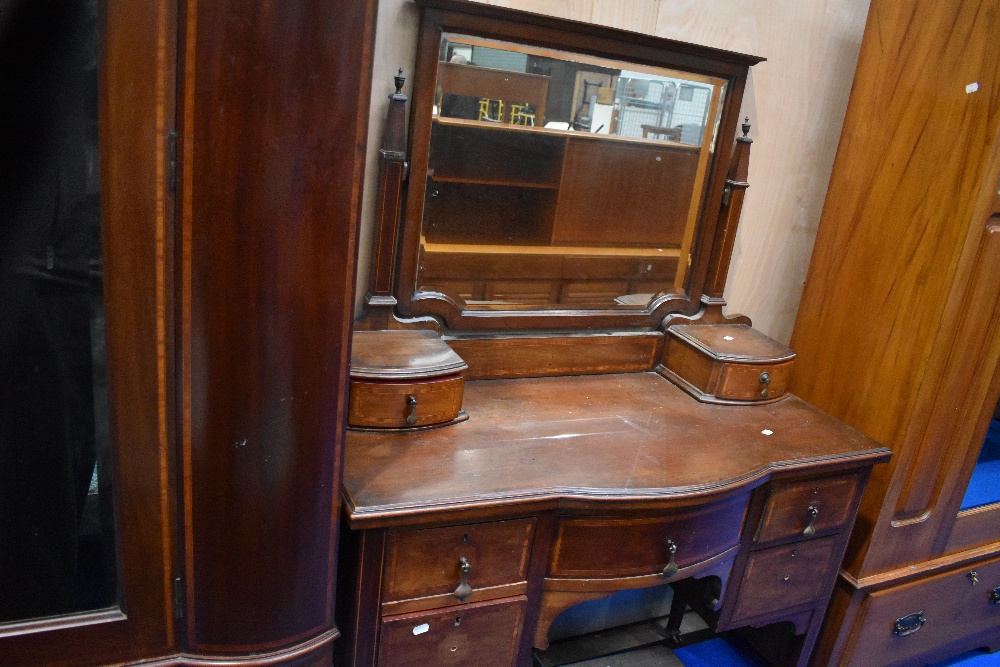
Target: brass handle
[411,418]
[811,513]
[973,577]
[464,590]
[995,595]
[670,569]
[765,379]
[907,625]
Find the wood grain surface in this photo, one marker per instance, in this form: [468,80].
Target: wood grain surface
[796,102]
[575,441]
[271,158]
[922,363]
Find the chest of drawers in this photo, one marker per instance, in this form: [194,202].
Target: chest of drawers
[464,544]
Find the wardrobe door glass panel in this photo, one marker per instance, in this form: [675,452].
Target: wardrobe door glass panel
[56,517]
[984,486]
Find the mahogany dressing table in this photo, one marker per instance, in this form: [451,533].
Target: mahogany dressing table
[561,464]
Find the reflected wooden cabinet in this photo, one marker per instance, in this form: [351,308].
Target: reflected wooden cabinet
[230,211]
[898,333]
[519,214]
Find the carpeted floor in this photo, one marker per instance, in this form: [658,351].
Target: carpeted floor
[718,652]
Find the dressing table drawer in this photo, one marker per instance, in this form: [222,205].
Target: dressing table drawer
[598,547]
[473,635]
[803,509]
[786,576]
[375,404]
[428,563]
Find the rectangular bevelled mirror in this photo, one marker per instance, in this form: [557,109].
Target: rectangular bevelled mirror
[561,175]
[561,180]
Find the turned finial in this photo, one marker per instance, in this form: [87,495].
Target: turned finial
[400,80]
[746,123]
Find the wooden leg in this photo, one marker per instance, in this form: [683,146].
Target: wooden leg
[678,606]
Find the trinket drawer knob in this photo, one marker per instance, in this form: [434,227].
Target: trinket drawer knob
[411,418]
[765,379]
[464,590]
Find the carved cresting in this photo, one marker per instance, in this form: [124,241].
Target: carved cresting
[392,173]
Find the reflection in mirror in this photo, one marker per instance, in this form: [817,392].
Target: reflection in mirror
[560,180]
[56,518]
[984,487]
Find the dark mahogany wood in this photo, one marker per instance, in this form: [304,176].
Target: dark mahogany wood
[726,363]
[629,461]
[274,126]
[787,512]
[410,404]
[786,576]
[380,301]
[540,355]
[359,591]
[629,440]
[484,634]
[425,562]
[404,379]
[395,355]
[615,547]
[773,539]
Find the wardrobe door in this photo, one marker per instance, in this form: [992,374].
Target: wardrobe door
[86,531]
[975,499]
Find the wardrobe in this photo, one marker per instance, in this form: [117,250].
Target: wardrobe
[897,333]
[231,153]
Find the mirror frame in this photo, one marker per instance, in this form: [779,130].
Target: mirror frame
[487,21]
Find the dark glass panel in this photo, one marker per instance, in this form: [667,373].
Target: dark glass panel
[56,519]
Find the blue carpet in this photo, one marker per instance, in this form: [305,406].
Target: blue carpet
[733,652]
[720,652]
[971,659]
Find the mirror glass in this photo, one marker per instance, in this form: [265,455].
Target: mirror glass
[559,180]
[57,544]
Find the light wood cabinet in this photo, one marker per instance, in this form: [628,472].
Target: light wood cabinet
[897,333]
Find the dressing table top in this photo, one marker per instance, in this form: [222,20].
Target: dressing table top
[628,441]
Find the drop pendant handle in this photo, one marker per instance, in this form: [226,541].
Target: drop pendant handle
[464,590]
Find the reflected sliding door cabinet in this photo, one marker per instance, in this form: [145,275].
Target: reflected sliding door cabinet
[898,333]
[232,139]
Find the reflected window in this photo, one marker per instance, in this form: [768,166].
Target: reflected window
[56,518]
